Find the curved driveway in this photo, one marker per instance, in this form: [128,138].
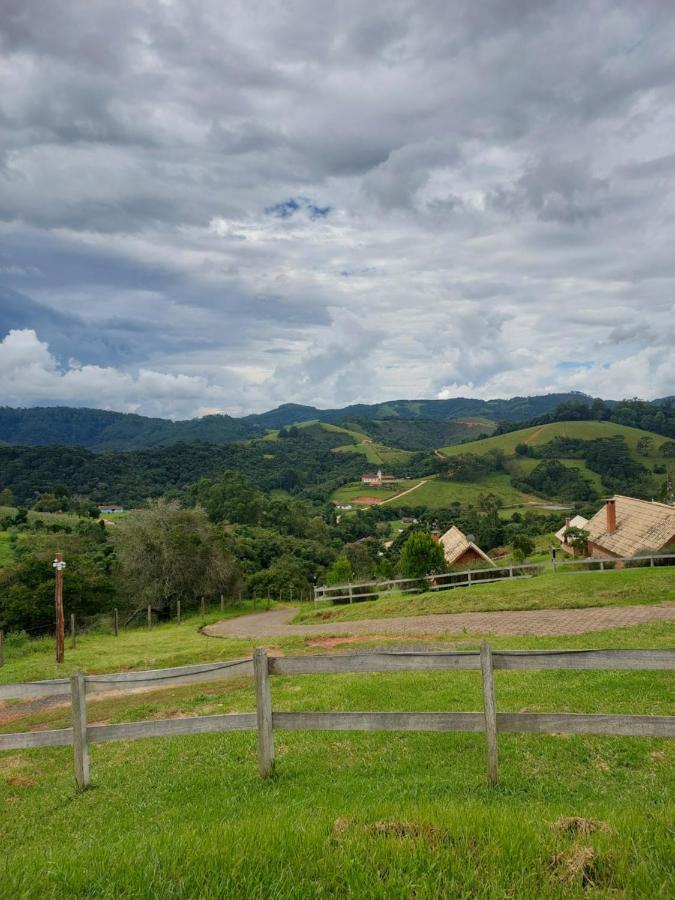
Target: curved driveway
[277,623]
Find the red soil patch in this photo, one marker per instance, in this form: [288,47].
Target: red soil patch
[367,501]
[337,641]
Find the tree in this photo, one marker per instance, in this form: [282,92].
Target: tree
[167,553]
[340,572]
[523,544]
[7,497]
[232,499]
[645,445]
[286,574]
[421,555]
[577,538]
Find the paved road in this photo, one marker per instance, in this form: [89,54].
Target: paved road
[277,623]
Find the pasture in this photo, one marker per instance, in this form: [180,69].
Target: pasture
[537,435]
[351,814]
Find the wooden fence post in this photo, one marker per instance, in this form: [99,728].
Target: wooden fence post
[2,647]
[149,617]
[72,631]
[202,608]
[490,710]
[80,747]
[222,602]
[116,622]
[351,593]
[263,708]
[178,611]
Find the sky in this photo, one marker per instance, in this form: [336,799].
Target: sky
[221,207]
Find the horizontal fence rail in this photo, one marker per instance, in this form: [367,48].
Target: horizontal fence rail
[462,578]
[265,721]
[597,564]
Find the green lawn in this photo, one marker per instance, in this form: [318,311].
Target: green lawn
[548,591]
[164,645]
[347,814]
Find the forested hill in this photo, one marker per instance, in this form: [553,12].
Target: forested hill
[394,422]
[515,409]
[98,429]
[301,462]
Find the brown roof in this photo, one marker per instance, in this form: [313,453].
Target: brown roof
[641,526]
[455,544]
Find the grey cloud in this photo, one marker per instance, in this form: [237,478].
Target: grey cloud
[499,176]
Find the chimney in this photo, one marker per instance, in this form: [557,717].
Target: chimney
[611,516]
[436,535]
[567,522]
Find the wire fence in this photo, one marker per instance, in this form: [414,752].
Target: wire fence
[118,620]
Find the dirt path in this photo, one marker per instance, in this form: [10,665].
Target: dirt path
[277,623]
[403,493]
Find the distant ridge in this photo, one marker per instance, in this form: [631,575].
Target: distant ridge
[98,429]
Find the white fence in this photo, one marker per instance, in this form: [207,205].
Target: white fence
[265,721]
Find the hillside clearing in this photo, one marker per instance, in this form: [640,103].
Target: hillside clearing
[537,435]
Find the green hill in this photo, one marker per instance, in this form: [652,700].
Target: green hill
[538,435]
[632,464]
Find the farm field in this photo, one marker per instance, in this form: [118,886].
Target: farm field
[548,591]
[349,492]
[437,494]
[352,814]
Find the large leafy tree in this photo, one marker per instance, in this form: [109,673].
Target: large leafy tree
[167,553]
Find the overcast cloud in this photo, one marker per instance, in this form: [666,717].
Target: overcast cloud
[211,206]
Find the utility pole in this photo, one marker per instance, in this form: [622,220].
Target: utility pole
[59,566]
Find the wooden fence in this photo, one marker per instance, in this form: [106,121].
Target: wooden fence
[596,564]
[363,589]
[265,721]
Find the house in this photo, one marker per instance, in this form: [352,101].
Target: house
[459,550]
[574,522]
[626,526]
[110,508]
[377,479]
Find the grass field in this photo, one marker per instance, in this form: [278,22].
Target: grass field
[348,814]
[548,591]
[543,434]
[349,492]
[436,494]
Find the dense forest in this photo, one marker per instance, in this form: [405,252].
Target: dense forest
[98,429]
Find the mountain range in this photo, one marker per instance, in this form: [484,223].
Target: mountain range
[98,429]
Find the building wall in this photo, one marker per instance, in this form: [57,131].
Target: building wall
[468,559]
[600,553]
